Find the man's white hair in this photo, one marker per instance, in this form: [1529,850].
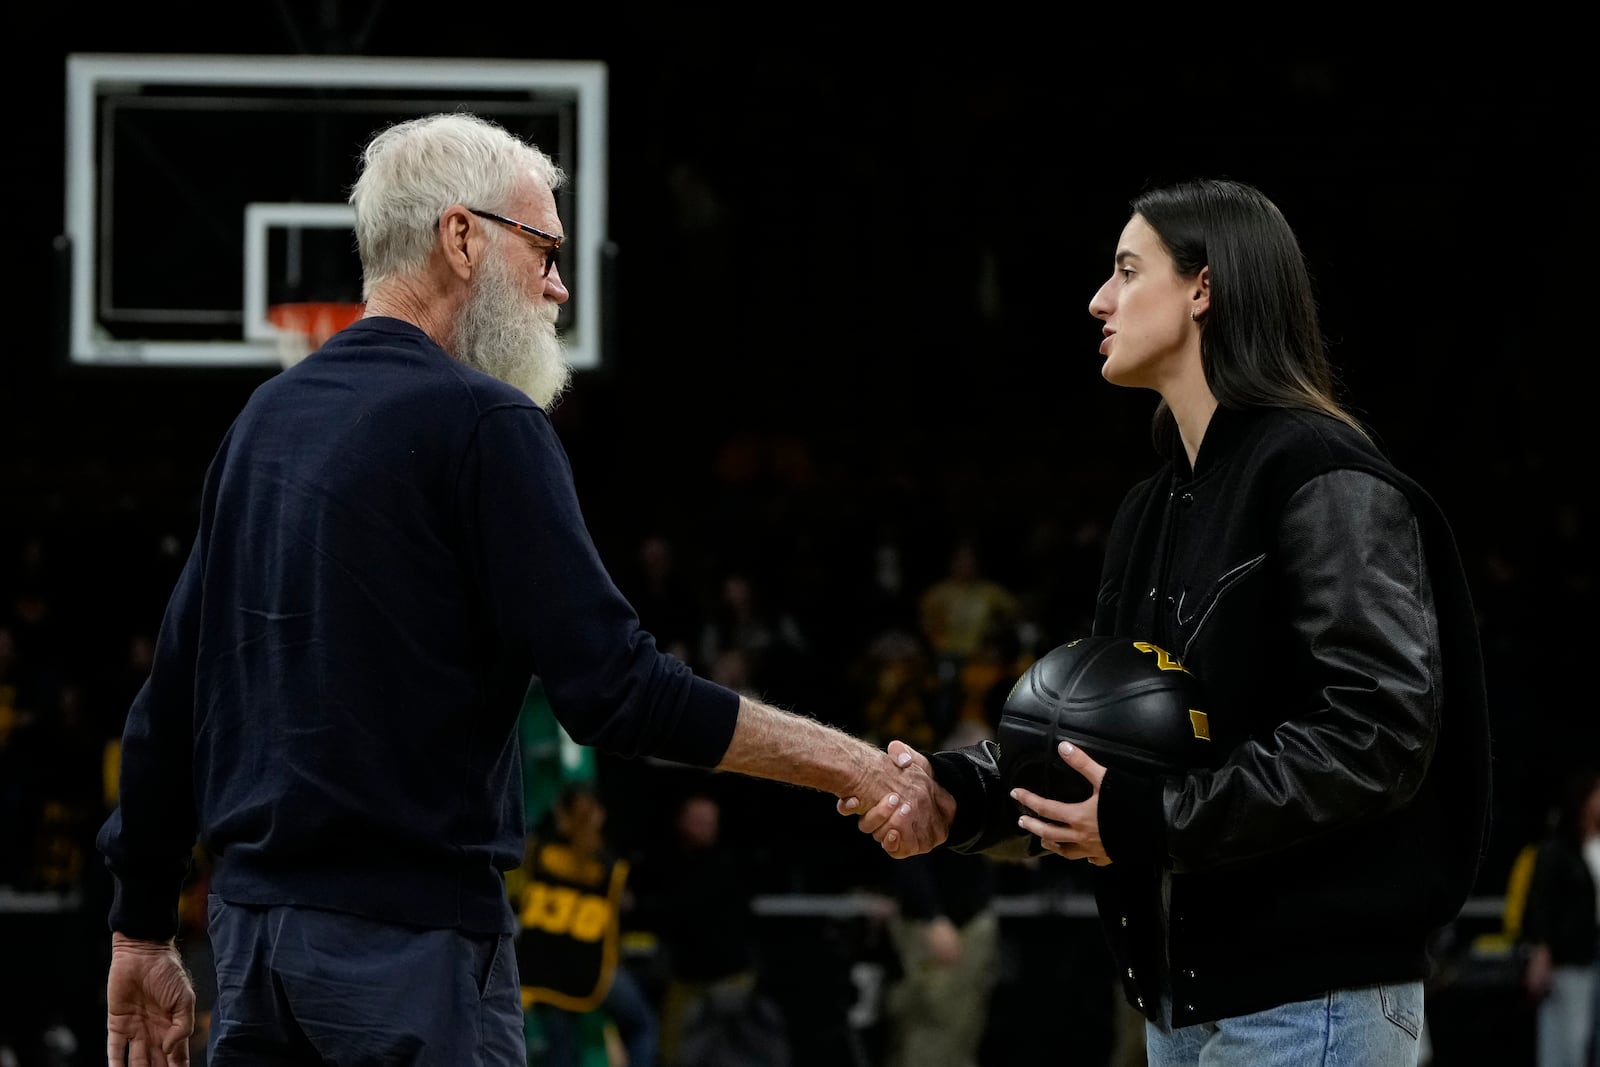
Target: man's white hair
[414,170]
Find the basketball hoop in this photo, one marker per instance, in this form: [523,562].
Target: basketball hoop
[303,327]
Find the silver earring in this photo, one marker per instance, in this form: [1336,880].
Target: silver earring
[1191,316]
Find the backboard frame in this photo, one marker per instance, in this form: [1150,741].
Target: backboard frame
[89,74]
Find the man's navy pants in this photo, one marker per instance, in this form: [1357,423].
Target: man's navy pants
[304,986]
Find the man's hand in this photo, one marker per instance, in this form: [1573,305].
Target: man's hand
[913,813]
[149,1004]
[1070,830]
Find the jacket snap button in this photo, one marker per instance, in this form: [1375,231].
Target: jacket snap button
[1187,498]
[1124,920]
[1130,972]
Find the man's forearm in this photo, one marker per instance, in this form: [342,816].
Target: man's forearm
[903,801]
[769,742]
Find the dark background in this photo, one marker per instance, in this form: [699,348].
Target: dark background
[851,286]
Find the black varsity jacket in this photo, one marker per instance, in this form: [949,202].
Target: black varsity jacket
[1318,595]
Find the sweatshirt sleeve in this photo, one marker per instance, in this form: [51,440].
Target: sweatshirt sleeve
[148,840]
[552,600]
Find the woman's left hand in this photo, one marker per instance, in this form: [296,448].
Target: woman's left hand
[1070,830]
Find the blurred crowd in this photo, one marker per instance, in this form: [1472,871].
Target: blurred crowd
[892,605]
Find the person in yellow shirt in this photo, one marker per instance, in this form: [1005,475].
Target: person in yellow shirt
[571,899]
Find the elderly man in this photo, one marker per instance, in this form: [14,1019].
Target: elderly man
[390,548]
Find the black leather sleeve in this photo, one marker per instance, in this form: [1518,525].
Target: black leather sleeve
[986,818]
[1351,563]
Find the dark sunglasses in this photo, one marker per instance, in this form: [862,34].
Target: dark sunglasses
[550,253]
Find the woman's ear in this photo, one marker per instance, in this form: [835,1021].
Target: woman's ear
[1200,300]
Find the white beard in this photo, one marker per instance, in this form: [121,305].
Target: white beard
[507,336]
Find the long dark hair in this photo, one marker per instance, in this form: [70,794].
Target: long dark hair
[1261,345]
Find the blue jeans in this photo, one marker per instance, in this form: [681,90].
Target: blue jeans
[1378,1026]
[625,1004]
[1566,1017]
[303,986]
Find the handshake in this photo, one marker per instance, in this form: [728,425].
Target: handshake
[915,816]
[1131,701]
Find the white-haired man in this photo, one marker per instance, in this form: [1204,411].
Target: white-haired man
[390,548]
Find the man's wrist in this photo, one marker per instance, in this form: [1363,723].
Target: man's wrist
[127,943]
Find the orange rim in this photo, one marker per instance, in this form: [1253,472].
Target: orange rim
[315,320]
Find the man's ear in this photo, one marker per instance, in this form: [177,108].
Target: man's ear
[458,239]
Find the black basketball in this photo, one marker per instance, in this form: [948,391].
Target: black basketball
[1128,704]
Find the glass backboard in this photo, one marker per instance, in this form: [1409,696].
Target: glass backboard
[202,191]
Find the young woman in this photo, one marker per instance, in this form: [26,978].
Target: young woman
[1277,908]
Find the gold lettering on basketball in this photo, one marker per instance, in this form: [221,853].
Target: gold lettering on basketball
[1164,659]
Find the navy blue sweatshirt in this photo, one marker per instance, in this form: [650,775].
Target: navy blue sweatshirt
[390,549]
